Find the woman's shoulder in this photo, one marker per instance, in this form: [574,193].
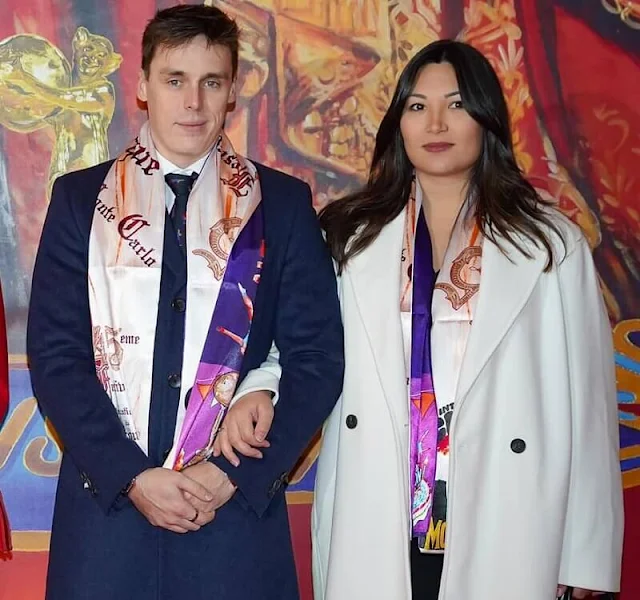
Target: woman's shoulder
[562,230]
[563,234]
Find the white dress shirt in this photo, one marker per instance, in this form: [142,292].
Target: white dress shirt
[166,166]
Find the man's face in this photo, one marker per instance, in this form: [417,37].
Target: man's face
[188,93]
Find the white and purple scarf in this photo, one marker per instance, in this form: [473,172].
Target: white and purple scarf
[442,308]
[225,252]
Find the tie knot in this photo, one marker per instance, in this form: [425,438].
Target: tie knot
[181,184]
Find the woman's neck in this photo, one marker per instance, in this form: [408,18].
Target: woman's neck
[442,198]
[443,194]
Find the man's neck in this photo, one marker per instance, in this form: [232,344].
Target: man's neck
[168,166]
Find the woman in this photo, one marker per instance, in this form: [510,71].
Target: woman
[502,465]
[474,451]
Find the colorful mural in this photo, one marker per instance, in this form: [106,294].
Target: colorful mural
[315,79]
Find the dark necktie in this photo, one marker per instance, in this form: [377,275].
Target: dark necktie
[181,186]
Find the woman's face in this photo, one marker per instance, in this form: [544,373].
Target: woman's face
[440,137]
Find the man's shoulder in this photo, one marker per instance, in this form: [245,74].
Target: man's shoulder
[85,179]
[74,194]
[287,203]
[278,185]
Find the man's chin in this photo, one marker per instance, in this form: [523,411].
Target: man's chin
[194,153]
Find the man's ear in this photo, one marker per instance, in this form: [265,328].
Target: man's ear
[232,93]
[142,86]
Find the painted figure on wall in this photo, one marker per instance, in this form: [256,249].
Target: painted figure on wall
[40,88]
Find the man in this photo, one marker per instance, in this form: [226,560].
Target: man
[135,362]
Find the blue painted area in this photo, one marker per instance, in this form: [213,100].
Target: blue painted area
[29,498]
[630,463]
[626,397]
[629,436]
[627,363]
[307,482]
[626,416]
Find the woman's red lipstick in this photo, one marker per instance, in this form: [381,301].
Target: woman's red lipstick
[437,146]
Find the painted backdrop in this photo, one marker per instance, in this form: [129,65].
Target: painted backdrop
[315,79]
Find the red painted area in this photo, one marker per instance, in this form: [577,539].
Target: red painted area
[631,552]
[130,19]
[23,577]
[300,520]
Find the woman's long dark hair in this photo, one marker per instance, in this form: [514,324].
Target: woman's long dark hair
[506,204]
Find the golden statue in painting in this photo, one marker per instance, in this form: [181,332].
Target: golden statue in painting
[39,88]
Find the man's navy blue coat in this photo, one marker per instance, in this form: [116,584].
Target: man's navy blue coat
[102,548]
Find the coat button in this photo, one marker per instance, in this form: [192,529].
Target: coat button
[178,304]
[87,485]
[275,486]
[174,380]
[352,421]
[518,446]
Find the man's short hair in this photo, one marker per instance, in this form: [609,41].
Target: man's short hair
[179,25]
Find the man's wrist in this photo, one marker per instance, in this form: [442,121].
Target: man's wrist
[127,488]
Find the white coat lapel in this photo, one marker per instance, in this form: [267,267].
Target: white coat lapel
[505,287]
[375,279]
